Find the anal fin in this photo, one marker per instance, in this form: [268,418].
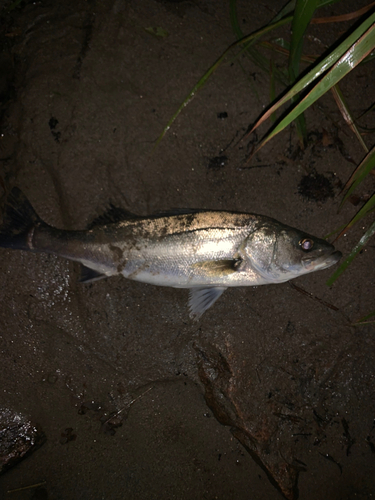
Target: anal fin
[201,299]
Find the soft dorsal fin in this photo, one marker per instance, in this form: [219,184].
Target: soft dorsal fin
[179,211]
[201,299]
[117,214]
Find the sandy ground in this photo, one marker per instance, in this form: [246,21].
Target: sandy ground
[271,393]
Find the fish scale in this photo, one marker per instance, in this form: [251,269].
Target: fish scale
[174,259]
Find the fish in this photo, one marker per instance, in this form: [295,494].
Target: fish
[203,250]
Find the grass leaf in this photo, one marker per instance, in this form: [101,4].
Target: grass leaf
[367,207]
[302,16]
[343,17]
[158,31]
[250,38]
[234,19]
[346,114]
[272,87]
[253,53]
[363,169]
[363,321]
[357,46]
[362,242]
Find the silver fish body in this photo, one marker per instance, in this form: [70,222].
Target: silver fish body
[205,251]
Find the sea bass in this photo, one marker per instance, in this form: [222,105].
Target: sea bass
[204,251]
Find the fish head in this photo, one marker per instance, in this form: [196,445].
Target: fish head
[280,253]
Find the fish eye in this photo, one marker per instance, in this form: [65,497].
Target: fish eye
[306,244]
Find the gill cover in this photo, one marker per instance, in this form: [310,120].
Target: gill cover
[279,253]
[261,251]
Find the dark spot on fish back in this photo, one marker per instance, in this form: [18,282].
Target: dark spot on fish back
[189,220]
[117,251]
[122,266]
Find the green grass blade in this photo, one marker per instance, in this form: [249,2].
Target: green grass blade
[250,38]
[346,114]
[287,10]
[290,6]
[301,129]
[367,207]
[192,93]
[157,31]
[301,19]
[13,5]
[264,63]
[284,44]
[272,87]
[340,53]
[337,230]
[369,58]
[253,53]
[362,242]
[363,321]
[303,13]
[349,60]
[322,3]
[368,110]
[362,171]
[282,47]
[234,19]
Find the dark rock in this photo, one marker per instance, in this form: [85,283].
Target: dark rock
[18,438]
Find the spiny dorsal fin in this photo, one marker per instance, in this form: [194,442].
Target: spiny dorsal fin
[178,211]
[112,216]
[117,214]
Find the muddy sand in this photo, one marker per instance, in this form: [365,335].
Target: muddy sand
[271,393]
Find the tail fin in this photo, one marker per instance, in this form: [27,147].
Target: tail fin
[19,219]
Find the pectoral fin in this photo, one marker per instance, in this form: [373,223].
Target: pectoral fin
[201,299]
[218,267]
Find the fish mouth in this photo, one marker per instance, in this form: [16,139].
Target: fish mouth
[336,256]
[322,262]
